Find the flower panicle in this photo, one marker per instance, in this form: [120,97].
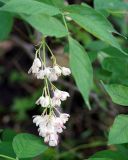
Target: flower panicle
[51,122]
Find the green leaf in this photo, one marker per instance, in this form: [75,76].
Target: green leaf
[6,20]
[29,7]
[117,65]
[81,68]
[118,93]
[113,52]
[27,145]
[100,159]
[8,135]
[4,1]
[6,149]
[111,6]
[49,154]
[47,25]
[57,3]
[118,68]
[113,155]
[93,22]
[97,45]
[119,131]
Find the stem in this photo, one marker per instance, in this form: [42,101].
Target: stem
[44,55]
[46,81]
[65,24]
[4,156]
[53,57]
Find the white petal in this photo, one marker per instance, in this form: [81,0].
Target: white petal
[64,117]
[40,74]
[57,70]
[66,71]
[64,95]
[37,62]
[56,102]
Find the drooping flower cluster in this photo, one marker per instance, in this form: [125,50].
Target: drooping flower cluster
[52,73]
[52,121]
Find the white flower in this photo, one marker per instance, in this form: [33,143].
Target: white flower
[50,126]
[38,120]
[66,71]
[57,70]
[62,95]
[56,102]
[35,66]
[64,117]
[40,74]
[50,74]
[47,71]
[37,62]
[53,77]
[53,140]
[43,101]
[46,138]
[58,124]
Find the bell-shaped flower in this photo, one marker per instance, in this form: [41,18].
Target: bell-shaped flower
[44,101]
[62,95]
[64,117]
[57,70]
[56,102]
[66,71]
[40,74]
[53,140]
[35,66]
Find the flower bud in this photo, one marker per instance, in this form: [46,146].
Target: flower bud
[66,71]
[37,62]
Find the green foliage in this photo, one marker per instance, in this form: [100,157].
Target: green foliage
[8,135]
[119,131]
[110,66]
[4,1]
[6,25]
[49,154]
[81,68]
[6,149]
[118,93]
[27,145]
[87,18]
[116,65]
[21,145]
[113,155]
[56,3]
[29,7]
[39,20]
[111,6]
